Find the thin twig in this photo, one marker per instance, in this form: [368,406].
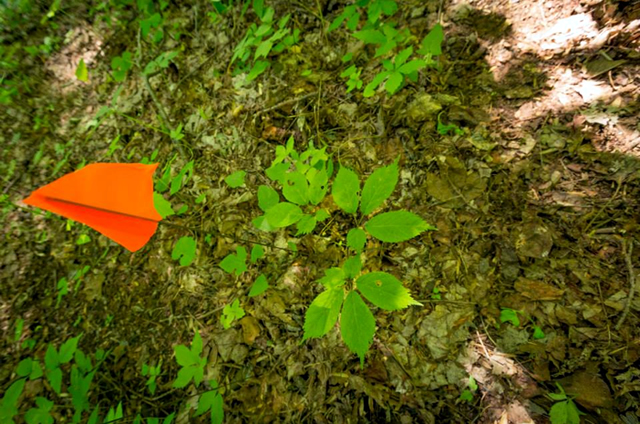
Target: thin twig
[632,282]
[287,102]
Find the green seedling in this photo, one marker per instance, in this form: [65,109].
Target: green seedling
[231,313]
[152,372]
[354,81]
[236,179]
[120,65]
[564,411]
[472,387]
[191,362]
[237,264]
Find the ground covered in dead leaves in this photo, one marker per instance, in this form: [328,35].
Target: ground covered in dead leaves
[536,202]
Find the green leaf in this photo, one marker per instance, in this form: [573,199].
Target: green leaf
[67,350]
[306,224]
[257,252]
[230,313]
[196,346]
[318,185]
[394,82]
[36,371]
[184,356]
[184,250]
[370,89]
[466,395]
[323,313]
[184,377]
[296,188]
[55,379]
[51,360]
[263,49]
[235,263]
[356,238]
[357,325]
[258,68]
[81,71]
[559,413]
[370,36]
[83,239]
[538,333]
[24,367]
[385,291]
[177,181]
[509,315]
[267,197]
[236,179]
[321,215]
[333,278]
[378,188]
[346,190]
[396,226]
[413,66]
[283,214]
[432,43]
[162,205]
[352,266]
[259,286]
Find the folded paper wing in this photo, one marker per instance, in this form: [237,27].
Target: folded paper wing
[115,199]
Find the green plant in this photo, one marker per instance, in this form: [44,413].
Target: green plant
[263,41]
[120,65]
[191,362]
[230,313]
[354,81]
[304,178]
[184,250]
[395,73]
[152,372]
[564,411]
[467,393]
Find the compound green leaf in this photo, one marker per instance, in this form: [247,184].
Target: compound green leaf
[210,401]
[321,215]
[378,188]
[356,238]
[236,179]
[283,214]
[267,197]
[258,68]
[184,250]
[296,188]
[396,226]
[323,313]
[385,291]
[259,286]
[357,325]
[370,89]
[346,190]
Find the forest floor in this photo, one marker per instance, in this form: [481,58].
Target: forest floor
[526,284]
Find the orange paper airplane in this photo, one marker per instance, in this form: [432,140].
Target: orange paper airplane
[115,199]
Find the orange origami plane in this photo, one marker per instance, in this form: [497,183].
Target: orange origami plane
[115,199]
